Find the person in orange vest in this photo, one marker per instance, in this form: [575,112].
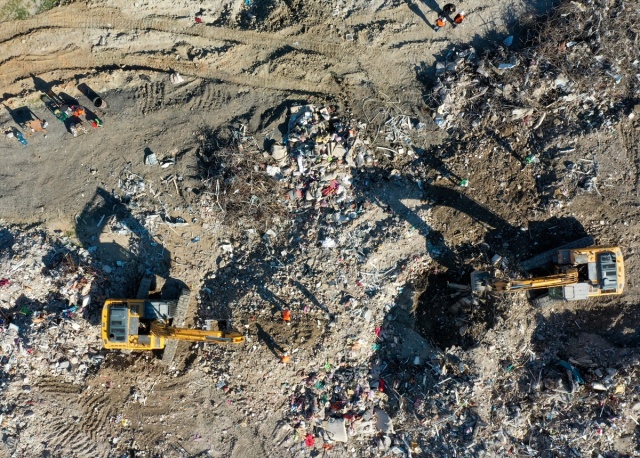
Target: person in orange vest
[458,19]
[77,110]
[440,23]
[286,316]
[285,358]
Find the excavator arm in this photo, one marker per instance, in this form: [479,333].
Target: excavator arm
[195,335]
[569,277]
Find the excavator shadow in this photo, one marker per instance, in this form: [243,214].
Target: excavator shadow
[108,230]
[449,316]
[123,249]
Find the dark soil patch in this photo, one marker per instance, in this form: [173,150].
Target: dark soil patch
[450,317]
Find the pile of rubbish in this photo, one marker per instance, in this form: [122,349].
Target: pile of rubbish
[573,78]
[46,289]
[316,158]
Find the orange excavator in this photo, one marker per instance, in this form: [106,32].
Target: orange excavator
[580,273]
[145,324]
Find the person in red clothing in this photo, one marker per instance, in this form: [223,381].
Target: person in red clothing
[286,316]
[458,19]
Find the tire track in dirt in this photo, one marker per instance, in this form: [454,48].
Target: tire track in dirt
[82,18]
[66,436]
[210,98]
[98,411]
[85,435]
[112,19]
[51,385]
[630,143]
[149,97]
[17,68]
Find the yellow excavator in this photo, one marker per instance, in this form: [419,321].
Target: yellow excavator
[580,273]
[145,324]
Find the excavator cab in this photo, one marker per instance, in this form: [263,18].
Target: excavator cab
[126,324]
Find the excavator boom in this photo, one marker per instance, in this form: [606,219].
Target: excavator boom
[568,278]
[194,335]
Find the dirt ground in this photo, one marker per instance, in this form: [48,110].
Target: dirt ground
[245,64]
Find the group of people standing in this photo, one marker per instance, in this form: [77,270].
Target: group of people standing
[447,13]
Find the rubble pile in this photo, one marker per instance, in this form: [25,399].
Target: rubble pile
[573,78]
[45,297]
[315,161]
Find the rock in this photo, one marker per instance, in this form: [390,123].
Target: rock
[336,429]
[151,159]
[383,421]
[176,78]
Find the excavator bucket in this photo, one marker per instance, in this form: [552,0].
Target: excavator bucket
[143,289]
[480,281]
[178,313]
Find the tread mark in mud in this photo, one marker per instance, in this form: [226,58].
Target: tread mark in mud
[67,437]
[49,385]
[97,415]
[150,97]
[211,98]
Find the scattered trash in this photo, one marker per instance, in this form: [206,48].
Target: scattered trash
[329,243]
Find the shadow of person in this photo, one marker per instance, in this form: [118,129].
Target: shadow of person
[266,295]
[40,84]
[271,344]
[310,296]
[418,12]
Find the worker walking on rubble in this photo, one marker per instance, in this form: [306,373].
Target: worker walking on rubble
[440,23]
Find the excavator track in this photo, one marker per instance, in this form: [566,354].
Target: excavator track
[549,256]
[178,312]
[545,301]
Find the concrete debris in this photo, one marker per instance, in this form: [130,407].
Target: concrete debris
[176,78]
[46,315]
[383,422]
